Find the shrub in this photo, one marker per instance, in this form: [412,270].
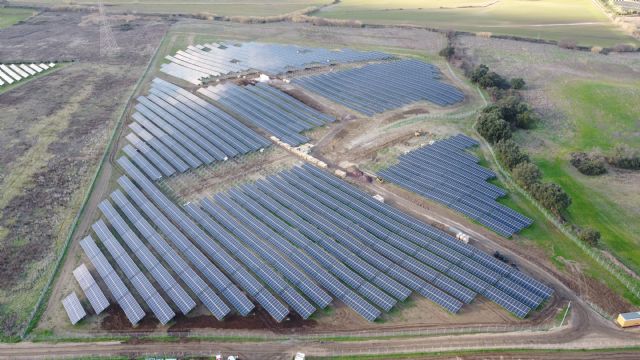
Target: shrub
[551,196]
[588,165]
[624,48]
[493,128]
[492,79]
[568,44]
[510,154]
[510,107]
[526,175]
[517,83]
[478,73]
[625,157]
[527,119]
[589,236]
[447,52]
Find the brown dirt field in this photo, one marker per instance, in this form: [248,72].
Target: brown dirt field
[52,138]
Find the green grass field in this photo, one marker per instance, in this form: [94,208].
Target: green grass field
[10,16]
[578,20]
[602,115]
[217,7]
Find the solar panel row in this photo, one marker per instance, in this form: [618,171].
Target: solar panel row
[221,257]
[147,292]
[376,88]
[209,246]
[251,260]
[409,223]
[170,286]
[174,130]
[428,172]
[120,292]
[12,73]
[198,286]
[268,108]
[278,234]
[353,237]
[216,278]
[91,289]
[463,270]
[74,309]
[211,60]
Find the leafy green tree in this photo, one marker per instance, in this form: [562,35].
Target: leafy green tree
[551,196]
[526,174]
[510,153]
[493,128]
[589,236]
[478,73]
[447,52]
[527,119]
[517,83]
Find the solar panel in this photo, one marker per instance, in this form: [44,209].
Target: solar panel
[91,289]
[470,263]
[176,293]
[73,308]
[197,258]
[273,230]
[123,297]
[295,276]
[254,263]
[194,63]
[147,292]
[206,243]
[352,279]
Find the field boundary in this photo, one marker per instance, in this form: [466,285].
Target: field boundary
[46,293]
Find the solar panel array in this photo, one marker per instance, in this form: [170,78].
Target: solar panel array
[211,60]
[74,309]
[308,237]
[446,173]
[143,286]
[377,88]
[91,289]
[174,131]
[269,108]
[13,73]
[170,286]
[176,263]
[118,289]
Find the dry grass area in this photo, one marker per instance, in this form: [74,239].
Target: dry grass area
[52,136]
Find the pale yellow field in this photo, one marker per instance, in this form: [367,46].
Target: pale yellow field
[579,20]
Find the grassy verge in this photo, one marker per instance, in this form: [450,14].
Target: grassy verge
[456,353]
[11,16]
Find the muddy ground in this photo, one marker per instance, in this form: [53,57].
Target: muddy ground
[53,131]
